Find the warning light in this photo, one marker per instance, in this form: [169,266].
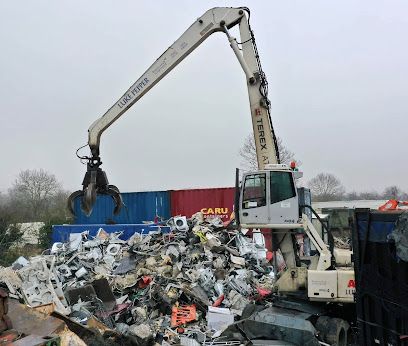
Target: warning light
[293,165]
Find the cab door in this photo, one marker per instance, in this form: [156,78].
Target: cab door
[254,206]
[283,203]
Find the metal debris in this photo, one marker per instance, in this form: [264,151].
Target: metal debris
[135,287]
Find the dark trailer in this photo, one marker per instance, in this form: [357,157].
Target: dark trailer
[380,245]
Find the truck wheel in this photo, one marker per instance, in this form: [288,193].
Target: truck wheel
[334,331]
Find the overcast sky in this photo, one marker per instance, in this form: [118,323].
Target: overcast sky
[337,70]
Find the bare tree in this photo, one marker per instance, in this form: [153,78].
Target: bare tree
[2,199]
[32,193]
[326,187]
[394,192]
[248,153]
[58,205]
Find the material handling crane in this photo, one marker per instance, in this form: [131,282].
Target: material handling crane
[268,198]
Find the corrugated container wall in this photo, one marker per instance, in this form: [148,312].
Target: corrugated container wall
[138,207]
[211,202]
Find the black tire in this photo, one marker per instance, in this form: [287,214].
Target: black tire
[334,331]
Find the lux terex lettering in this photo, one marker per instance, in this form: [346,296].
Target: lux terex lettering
[262,139]
[133,92]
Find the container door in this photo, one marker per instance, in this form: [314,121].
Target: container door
[284,204]
[254,209]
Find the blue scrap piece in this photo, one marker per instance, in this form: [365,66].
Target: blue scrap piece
[60,233]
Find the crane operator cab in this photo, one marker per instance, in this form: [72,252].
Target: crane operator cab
[268,198]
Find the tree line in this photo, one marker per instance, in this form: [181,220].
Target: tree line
[327,187]
[324,186]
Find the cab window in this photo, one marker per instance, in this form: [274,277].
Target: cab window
[282,186]
[254,191]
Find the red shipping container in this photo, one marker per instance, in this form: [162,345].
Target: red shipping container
[211,202]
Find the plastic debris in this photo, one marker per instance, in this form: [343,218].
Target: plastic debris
[183,314]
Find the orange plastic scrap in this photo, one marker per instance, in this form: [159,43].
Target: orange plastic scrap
[182,314]
[393,204]
[219,300]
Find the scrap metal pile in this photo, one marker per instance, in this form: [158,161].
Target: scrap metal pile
[192,282]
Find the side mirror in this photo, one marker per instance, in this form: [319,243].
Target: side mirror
[297,174]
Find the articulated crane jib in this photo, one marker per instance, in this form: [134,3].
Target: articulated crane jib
[214,20]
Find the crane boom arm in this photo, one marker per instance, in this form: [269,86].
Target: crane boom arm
[216,19]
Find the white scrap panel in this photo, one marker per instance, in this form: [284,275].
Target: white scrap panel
[219,319]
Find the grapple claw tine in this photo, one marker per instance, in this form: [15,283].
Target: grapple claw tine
[118,204]
[71,200]
[88,199]
[114,188]
[86,209]
[114,192]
